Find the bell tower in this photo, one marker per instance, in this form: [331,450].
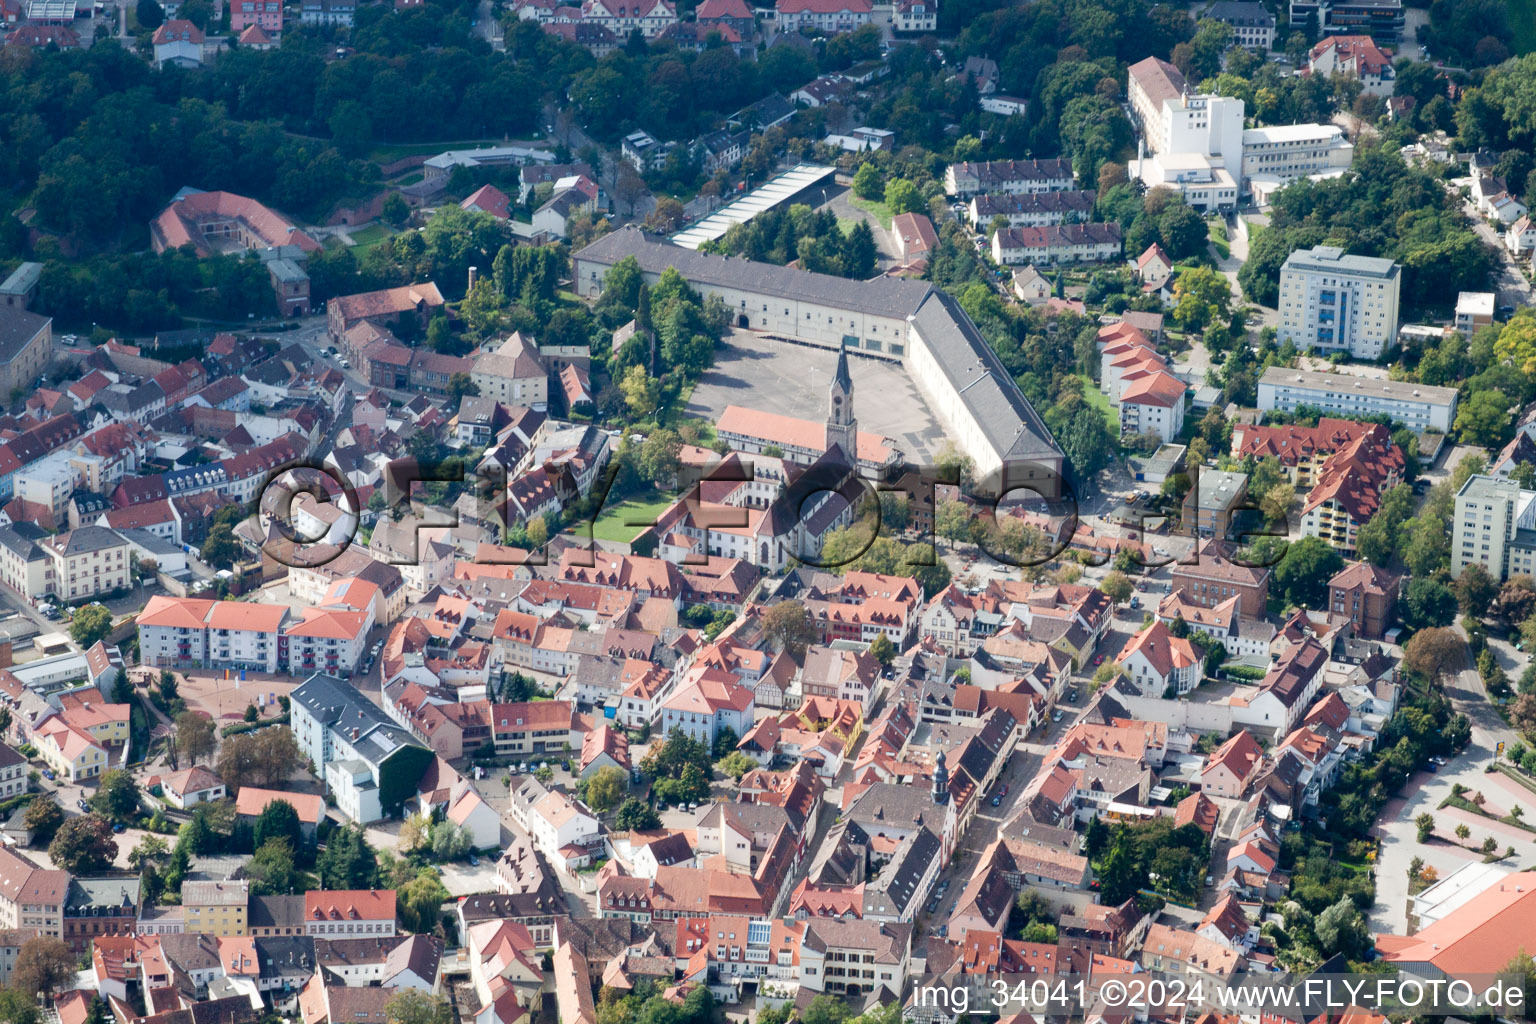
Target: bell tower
[842,428]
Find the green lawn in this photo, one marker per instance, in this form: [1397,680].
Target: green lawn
[625,521]
[1100,401]
[368,237]
[1255,230]
[1217,231]
[878,210]
[1522,24]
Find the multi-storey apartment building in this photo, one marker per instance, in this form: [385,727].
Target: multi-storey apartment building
[1495,526]
[216,908]
[1382,20]
[189,632]
[1334,302]
[1417,406]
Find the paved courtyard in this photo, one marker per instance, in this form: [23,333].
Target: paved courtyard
[791,380]
[225,700]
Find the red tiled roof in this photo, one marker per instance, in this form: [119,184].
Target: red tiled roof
[1162,389]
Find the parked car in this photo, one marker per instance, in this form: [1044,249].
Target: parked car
[997,801]
[474,860]
[1056,715]
[118,828]
[49,774]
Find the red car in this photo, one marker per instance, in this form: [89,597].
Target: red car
[1098,659]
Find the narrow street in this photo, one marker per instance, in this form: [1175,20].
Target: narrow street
[1513,288]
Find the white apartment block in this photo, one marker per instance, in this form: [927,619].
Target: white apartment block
[1333,302]
[1417,406]
[1495,526]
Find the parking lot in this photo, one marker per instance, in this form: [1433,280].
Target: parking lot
[791,380]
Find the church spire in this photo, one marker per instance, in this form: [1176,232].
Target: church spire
[842,428]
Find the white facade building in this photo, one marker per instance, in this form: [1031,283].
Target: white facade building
[1333,302]
[1495,526]
[1192,143]
[1418,406]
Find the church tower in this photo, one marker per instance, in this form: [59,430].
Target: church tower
[940,780]
[842,428]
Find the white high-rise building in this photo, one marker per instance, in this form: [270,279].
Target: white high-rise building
[1495,526]
[1193,142]
[1333,302]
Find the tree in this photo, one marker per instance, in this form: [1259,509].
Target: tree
[1481,419]
[1463,832]
[952,521]
[44,816]
[640,392]
[450,841]
[1201,296]
[220,549]
[635,816]
[735,765]
[83,845]
[348,862]
[1475,590]
[1428,602]
[258,758]
[461,385]
[789,625]
[278,821]
[43,965]
[271,869]
[1431,653]
[395,210]
[606,788]
[867,183]
[1425,823]
[150,14]
[413,1006]
[1182,230]
[901,196]
[1341,929]
[537,532]
[421,902]
[150,848]
[17,1007]
[1277,501]
[117,796]
[91,624]
[882,650]
[415,833]
[1116,586]
[194,736]
[1303,574]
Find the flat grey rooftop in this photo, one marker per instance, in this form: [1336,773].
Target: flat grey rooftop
[791,380]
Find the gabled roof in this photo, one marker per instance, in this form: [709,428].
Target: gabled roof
[1240,755]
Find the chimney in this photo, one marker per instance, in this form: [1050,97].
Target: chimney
[474,275]
[5,654]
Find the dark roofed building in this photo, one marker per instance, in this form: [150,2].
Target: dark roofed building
[26,340]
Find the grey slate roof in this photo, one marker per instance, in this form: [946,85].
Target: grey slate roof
[895,890]
[1011,424]
[883,296]
[17,327]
